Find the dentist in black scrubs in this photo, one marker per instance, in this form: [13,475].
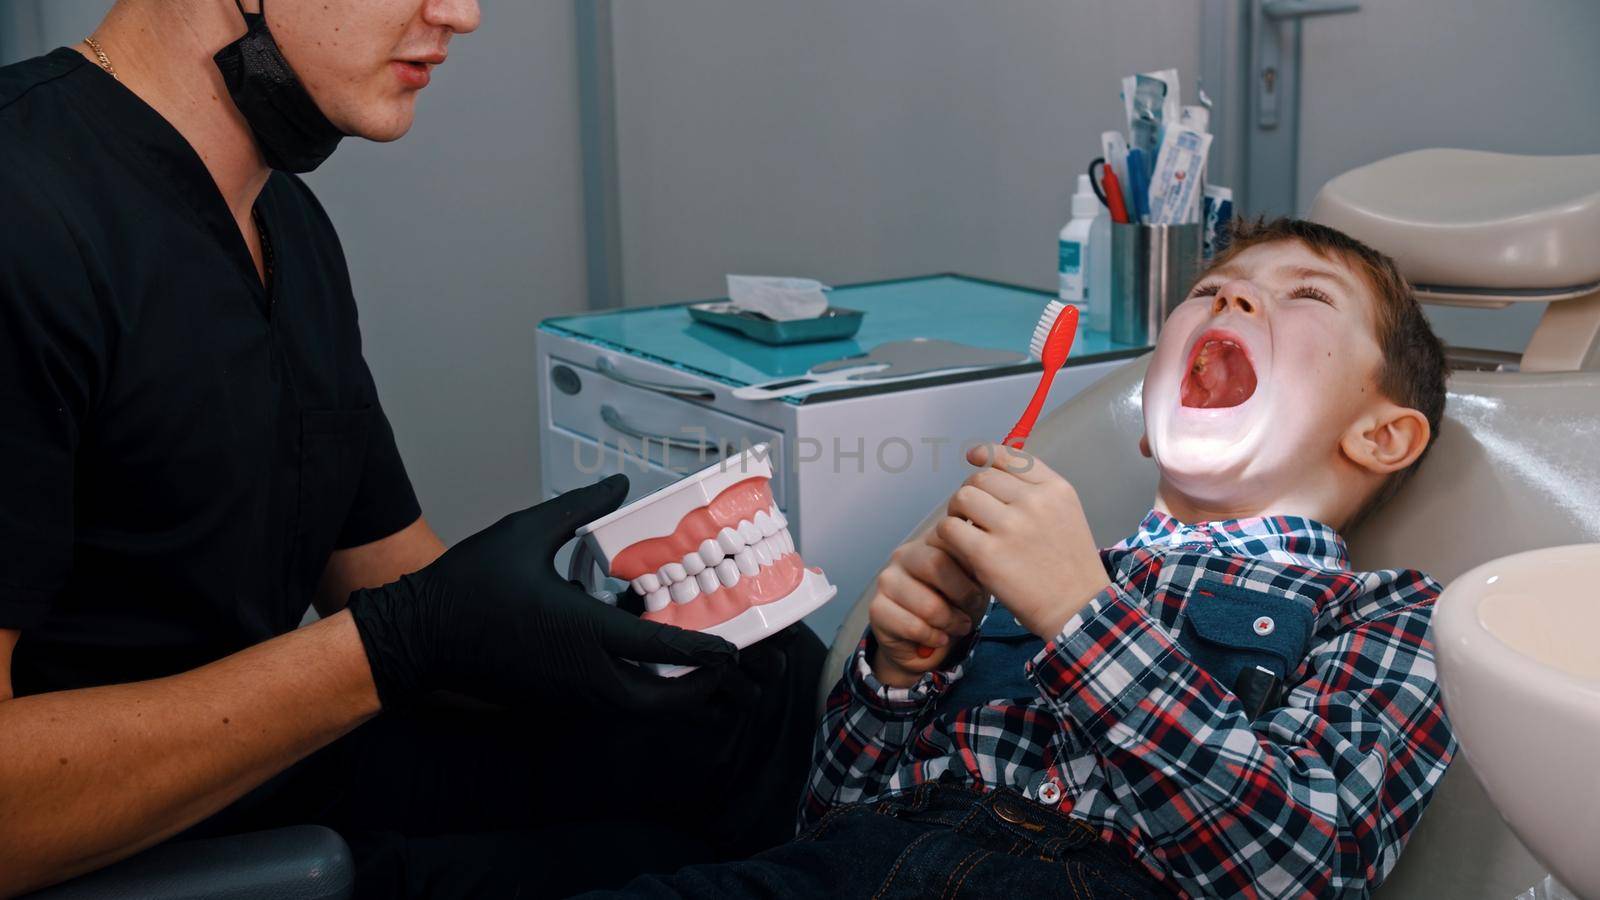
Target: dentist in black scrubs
[193,451]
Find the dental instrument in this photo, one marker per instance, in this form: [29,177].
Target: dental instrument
[1110,190]
[1051,344]
[1114,148]
[1139,186]
[889,361]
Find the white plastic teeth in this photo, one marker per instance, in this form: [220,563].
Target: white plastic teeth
[719,562]
[711,552]
[685,590]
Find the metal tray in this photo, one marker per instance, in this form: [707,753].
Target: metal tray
[837,323]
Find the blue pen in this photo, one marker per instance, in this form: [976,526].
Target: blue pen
[1139,185]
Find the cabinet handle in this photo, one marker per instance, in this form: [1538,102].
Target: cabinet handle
[605,367]
[614,419]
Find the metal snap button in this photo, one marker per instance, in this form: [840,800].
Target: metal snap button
[1264,625]
[1050,792]
[1005,810]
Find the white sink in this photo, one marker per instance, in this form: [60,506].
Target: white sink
[1519,662]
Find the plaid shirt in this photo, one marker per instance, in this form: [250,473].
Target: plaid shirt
[1119,725]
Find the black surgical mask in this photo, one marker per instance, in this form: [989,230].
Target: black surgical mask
[293,134]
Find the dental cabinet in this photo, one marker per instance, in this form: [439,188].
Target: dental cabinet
[648,392]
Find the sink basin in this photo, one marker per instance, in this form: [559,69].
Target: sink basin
[1519,663]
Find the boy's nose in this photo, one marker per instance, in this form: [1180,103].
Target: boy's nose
[1235,296]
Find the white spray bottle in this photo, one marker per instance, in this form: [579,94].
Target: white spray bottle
[1074,256]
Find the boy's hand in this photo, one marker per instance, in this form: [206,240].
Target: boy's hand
[922,598]
[1019,529]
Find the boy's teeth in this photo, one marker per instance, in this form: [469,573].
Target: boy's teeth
[765,525]
[749,532]
[746,561]
[657,600]
[727,573]
[693,564]
[672,573]
[685,590]
[707,579]
[646,583]
[711,552]
[730,541]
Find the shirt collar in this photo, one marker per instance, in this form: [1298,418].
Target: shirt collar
[1287,539]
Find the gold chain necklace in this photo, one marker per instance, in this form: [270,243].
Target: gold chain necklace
[105,61]
[268,258]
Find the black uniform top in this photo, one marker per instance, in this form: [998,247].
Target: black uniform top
[181,449]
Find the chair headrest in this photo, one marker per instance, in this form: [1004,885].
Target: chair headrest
[1471,219]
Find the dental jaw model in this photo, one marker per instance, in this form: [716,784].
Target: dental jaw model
[710,553]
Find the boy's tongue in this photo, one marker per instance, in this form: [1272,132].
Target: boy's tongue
[1221,376]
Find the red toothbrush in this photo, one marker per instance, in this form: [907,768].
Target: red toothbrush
[1051,343]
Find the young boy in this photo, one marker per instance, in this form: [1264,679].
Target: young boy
[1216,706]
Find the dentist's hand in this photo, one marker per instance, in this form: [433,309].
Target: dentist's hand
[922,599]
[491,618]
[1019,528]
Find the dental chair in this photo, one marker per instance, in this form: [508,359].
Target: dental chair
[1514,466]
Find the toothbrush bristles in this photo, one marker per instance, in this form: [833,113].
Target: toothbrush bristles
[1047,321]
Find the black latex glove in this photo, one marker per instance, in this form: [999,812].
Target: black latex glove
[491,618]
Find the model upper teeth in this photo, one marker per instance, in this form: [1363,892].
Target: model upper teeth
[738,551]
[711,552]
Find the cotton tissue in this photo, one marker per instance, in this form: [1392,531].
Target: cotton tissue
[779,299]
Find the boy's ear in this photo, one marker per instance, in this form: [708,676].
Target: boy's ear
[1387,439]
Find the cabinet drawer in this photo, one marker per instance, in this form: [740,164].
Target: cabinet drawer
[633,427]
[570,462]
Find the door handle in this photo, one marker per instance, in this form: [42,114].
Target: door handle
[614,419]
[1300,9]
[605,367]
[1270,44]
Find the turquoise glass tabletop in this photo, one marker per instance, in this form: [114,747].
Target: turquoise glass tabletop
[950,307]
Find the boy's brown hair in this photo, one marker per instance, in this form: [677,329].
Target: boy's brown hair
[1413,370]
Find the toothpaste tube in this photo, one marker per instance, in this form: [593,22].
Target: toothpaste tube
[1219,214]
[1175,186]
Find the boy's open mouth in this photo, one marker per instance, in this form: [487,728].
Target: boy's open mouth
[1220,374]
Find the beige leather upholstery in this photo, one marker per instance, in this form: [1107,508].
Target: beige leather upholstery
[1465,218]
[1513,468]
